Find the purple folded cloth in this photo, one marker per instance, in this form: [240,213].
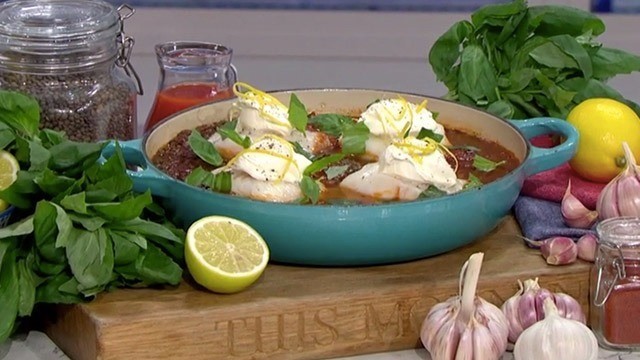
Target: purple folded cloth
[542,219]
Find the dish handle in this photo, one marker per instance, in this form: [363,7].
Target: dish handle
[542,159]
[144,175]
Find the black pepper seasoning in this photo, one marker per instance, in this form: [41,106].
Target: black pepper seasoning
[73,57]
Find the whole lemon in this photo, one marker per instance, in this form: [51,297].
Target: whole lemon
[603,125]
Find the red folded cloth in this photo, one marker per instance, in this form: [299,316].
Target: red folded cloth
[551,184]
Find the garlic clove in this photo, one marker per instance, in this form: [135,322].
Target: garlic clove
[465,345]
[587,247]
[569,308]
[574,213]
[621,196]
[559,250]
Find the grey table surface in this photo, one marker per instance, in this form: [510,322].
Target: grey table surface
[37,346]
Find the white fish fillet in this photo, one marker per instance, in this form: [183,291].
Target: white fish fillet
[273,191]
[368,181]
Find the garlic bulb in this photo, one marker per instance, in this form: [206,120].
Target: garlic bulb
[621,196]
[465,326]
[574,213]
[556,338]
[525,307]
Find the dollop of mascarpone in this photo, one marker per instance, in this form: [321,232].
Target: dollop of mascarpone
[260,115]
[419,162]
[271,158]
[391,118]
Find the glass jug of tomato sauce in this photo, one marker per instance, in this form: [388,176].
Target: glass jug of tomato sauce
[190,73]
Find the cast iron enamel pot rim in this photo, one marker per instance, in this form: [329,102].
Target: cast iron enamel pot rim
[350,206]
[356,235]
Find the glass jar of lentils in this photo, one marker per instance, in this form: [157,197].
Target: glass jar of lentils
[73,57]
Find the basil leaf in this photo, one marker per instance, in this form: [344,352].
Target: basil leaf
[152,267]
[90,255]
[125,210]
[480,79]
[609,62]
[335,171]
[27,283]
[298,115]
[20,112]
[473,182]
[354,138]
[204,149]
[9,296]
[125,247]
[220,182]
[332,124]
[445,52]
[227,130]
[300,150]
[428,133]
[432,192]
[71,157]
[197,176]
[483,164]
[322,163]
[310,189]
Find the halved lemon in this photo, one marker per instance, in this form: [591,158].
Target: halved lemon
[8,173]
[225,255]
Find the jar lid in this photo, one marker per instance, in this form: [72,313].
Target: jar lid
[51,34]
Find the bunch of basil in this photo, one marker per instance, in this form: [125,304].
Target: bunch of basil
[79,228]
[519,62]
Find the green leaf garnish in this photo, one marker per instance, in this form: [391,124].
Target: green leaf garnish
[435,115]
[335,171]
[483,164]
[298,116]
[300,150]
[322,163]
[427,133]
[354,134]
[432,192]
[332,124]
[228,130]
[204,149]
[310,189]
[220,182]
[473,182]
[354,138]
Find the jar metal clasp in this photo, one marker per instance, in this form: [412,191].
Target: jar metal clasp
[125,46]
[605,283]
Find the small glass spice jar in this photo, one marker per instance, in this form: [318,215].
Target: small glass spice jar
[73,57]
[615,284]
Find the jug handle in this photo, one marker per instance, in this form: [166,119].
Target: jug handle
[234,71]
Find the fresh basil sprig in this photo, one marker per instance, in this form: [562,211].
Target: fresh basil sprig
[519,61]
[79,228]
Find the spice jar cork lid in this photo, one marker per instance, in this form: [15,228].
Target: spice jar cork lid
[65,32]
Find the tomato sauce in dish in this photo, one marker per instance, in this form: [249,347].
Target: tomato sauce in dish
[177,160]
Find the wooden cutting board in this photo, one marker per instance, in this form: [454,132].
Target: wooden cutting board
[301,312]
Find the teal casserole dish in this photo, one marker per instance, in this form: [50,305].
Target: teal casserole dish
[350,235]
